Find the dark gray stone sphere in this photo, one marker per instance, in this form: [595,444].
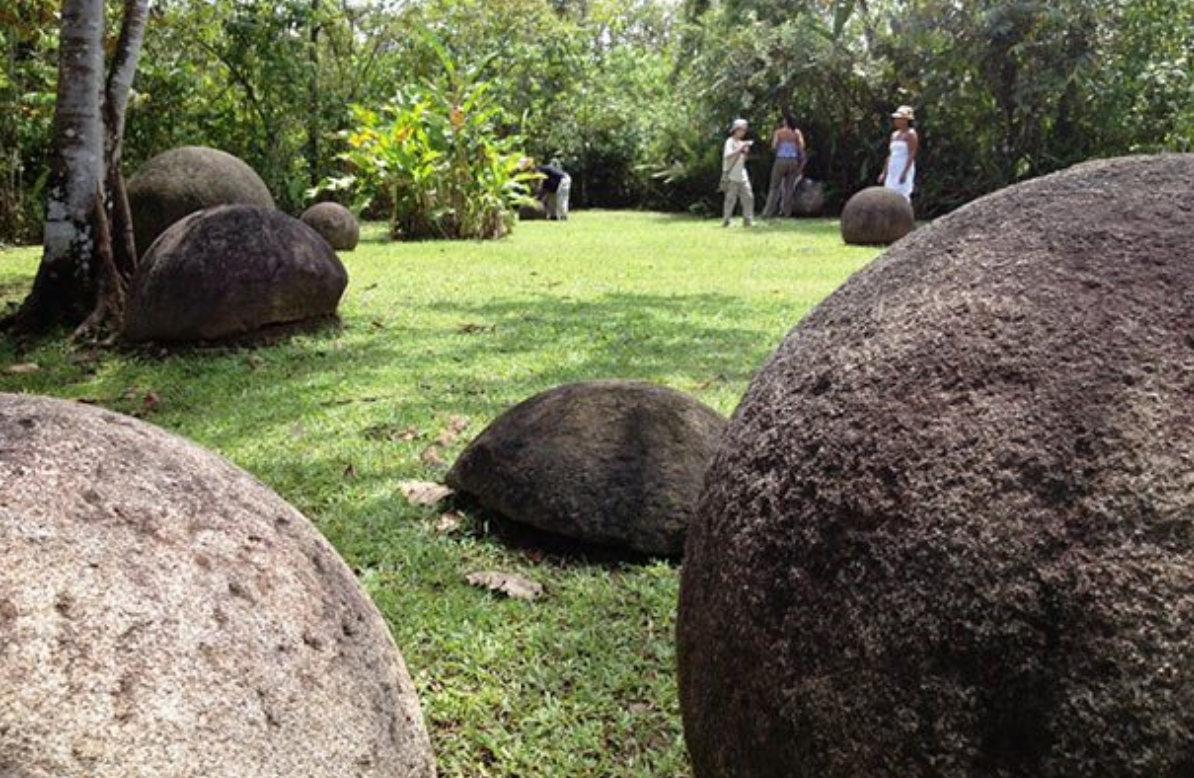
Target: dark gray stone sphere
[949,532]
[335,223]
[162,613]
[231,271]
[614,463]
[178,182]
[532,212]
[809,198]
[876,216]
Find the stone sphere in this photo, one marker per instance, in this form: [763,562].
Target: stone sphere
[532,212]
[613,463]
[950,529]
[181,181]
[231,271]
[876,216]
[809,198]
[335,224]
[164,614]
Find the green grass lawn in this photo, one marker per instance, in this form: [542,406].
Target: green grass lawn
[580,682]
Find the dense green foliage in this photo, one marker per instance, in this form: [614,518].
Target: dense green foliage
[436,158]
[580,682]
[635,95]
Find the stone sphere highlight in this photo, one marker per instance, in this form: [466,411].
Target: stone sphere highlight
[335,224]
[233,271]
[613,463]
[949,531]
[876,216]
[162,613]
[181,181]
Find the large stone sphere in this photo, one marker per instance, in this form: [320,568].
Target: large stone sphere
[181,181]
[231,271]
[164,614]
[876,216]
[532,212]
[950,530]
[335,224]
[808,199]
[614,463]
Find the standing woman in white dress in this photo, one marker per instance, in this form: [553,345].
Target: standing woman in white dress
[900,171]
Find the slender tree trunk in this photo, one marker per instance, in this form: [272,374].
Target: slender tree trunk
[85,265]
[117,261]
[313,97]
[63,290]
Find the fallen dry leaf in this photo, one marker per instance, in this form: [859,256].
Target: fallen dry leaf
[392,432]
[23,368]
[424,492]
[456,425]
[513,586]
[431,457]
[449,523]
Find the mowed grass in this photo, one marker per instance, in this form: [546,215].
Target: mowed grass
[580,682]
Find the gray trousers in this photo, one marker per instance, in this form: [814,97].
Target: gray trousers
[735,191]
[785,175]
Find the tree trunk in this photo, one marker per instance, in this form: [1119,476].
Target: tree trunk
[88,251]
[64,290]
[116,263]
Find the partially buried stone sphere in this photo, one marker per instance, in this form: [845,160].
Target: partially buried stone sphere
[164,614]
[876,216]
[230,272]
[532,211]
[335,223]
[615,463]
[182,181]
[809,198]
[950,530]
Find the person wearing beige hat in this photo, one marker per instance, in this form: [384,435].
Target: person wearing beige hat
[735,181]
[899,172]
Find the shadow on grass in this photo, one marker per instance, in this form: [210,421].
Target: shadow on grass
[299,414]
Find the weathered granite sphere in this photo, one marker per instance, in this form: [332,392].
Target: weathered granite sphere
[613,463]
[950,530]
[230,271]
[876,216]
[335,224]
[163,613]
[179,182]
[809,198]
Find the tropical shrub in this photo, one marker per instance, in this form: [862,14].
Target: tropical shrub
[438,158]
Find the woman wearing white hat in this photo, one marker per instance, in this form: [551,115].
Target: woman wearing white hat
[734,180]
[899,173]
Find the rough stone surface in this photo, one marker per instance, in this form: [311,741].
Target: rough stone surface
[876,216]
[164,614]
[179,182]
[808,199]
[335,223]
[616,463]
[231,270]
[950,530]
[532,212]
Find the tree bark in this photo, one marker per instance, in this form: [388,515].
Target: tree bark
[88,252]
[64,289]
[117,260]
